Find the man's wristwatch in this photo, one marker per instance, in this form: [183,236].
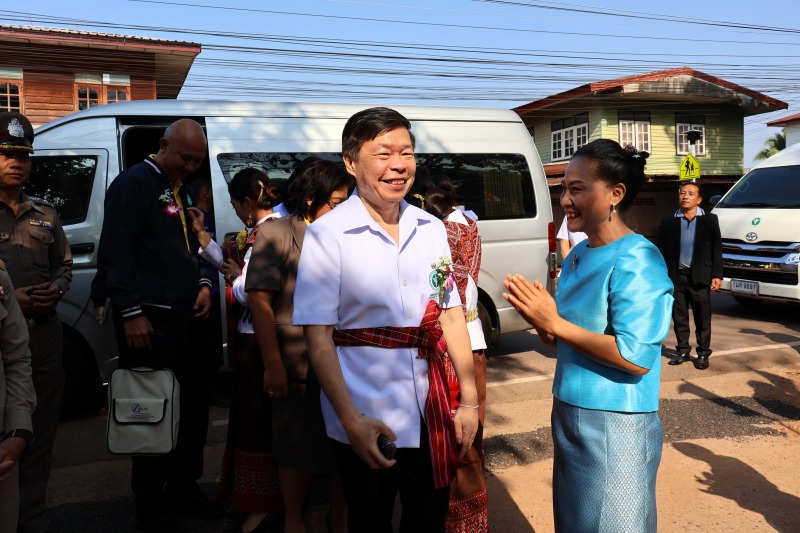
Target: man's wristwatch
[232,278]
[23,434]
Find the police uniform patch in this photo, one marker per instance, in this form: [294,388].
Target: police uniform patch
[42,223]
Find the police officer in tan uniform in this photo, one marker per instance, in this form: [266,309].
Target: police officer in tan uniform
[38,259]
[17,400]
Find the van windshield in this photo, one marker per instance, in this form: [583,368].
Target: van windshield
[773,187]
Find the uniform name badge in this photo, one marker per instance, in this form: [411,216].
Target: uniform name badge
[42,223]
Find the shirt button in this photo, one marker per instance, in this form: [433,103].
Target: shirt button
[410,315]
[405,282]
[416,378]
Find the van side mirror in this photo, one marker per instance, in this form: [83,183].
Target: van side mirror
[714,200]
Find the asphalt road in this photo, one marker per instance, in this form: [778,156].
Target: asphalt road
[89,486]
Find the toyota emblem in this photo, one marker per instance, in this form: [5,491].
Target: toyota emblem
[752,236]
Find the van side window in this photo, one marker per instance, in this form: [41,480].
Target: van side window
[494,186]
[64,181]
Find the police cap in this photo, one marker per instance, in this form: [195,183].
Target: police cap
[16,132]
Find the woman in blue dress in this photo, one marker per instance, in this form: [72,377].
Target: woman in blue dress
[611,313]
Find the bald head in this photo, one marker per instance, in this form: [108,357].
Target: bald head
[182,149]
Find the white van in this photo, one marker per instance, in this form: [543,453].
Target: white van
[759,219]
[488,153]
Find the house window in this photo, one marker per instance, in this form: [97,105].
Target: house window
[88,96]
[93,90]
[567,135]
[684,123]
[114,95]
[11,89]
[10,96]
[634,129]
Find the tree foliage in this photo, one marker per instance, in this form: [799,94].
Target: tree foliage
[772,146]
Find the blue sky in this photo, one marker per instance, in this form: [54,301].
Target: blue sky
[457,52]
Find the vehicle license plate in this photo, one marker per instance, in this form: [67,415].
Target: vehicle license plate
[744,287]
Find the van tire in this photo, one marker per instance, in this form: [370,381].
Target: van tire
[748,302]
[82,389]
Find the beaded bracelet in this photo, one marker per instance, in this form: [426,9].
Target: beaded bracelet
[469,406]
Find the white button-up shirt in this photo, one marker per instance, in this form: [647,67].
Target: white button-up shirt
[353,275]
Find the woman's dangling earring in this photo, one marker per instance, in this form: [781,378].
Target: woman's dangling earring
[249,221]
[613,207]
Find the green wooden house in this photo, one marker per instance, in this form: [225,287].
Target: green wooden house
[653,112]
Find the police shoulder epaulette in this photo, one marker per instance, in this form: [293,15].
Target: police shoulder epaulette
[40,201]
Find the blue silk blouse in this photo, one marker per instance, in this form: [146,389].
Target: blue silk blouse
[620,289]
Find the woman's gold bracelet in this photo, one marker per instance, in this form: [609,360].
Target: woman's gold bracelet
[469,406]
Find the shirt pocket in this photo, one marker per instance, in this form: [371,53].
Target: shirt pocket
[41,241]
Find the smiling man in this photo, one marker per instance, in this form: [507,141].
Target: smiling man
[369,299]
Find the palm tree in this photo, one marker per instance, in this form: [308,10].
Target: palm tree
[772,146]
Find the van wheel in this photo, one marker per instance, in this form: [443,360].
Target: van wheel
[82,389]
[748,302]
[488,329]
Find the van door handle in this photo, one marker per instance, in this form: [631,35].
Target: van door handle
[83,248]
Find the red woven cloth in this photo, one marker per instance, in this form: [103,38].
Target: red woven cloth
[432,346]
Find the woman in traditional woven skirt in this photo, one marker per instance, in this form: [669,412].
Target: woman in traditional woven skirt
[611,313]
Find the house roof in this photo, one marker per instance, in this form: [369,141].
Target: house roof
[785,120]
[173,59]
[678,84]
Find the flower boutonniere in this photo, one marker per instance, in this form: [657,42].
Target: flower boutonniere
[241,239]
[441,277]
[171,207]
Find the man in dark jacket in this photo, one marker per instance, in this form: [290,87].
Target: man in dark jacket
[691,244]
[148,254]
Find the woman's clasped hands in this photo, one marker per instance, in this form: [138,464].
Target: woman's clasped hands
[533,303]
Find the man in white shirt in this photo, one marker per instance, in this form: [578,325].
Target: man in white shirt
[367,266]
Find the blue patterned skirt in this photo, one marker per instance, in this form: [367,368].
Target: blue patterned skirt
[604,473]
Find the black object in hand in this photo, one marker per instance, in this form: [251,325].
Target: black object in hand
[387,446]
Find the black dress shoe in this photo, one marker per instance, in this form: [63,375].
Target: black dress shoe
[701,363]
[679,359]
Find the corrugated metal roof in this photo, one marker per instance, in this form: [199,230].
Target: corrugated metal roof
[784,120]
[83,33]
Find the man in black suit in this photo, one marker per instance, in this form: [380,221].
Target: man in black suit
[691,244]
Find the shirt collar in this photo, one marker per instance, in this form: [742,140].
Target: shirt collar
[360,218]
[700,212]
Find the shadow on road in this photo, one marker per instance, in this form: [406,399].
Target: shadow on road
[733,479]
[505,514]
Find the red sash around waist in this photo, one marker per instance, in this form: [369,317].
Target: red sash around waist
[432,346]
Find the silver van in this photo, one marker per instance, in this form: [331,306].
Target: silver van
[758,219]
[488,153]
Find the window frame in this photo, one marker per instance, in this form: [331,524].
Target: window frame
[88,87]
[684,123]
[569,128]
[640,126]
[118,88]
[20,88]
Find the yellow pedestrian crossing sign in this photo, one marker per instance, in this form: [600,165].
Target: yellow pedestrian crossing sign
[690,168]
